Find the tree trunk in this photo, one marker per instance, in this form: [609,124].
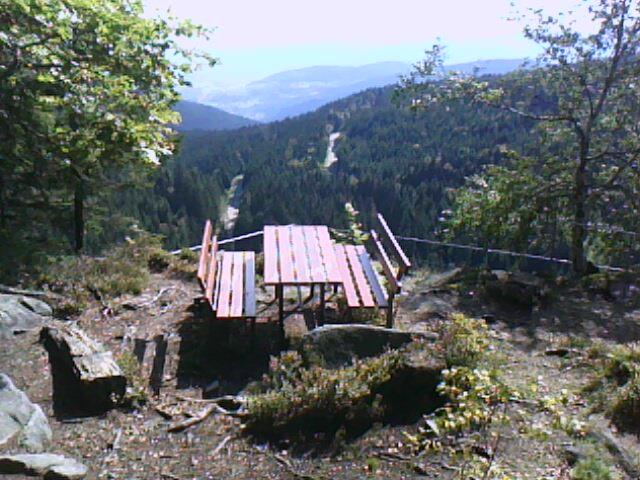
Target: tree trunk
[578,231]
[78,215]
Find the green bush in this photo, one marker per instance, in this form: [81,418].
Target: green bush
[591,468]
[464,341]
[312,404]
[125,269]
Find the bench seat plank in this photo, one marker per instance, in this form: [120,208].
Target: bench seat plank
[249,284]
[364,292]
[237,285]
[224,292]
[347,282]
[372,278]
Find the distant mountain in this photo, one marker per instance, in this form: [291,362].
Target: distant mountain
[196,116]
[294,92]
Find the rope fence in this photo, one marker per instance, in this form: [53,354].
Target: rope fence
[475,248]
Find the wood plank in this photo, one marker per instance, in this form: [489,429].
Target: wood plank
[360,279]
[237,285]
[383,258]
[224,293]
[285,256]
[249,284]
[372,278]
[300,257]
[204,254]
[347,282]
[328,255]
[216,289]
[317,271]
[211,274]
[271,274]
[401,257]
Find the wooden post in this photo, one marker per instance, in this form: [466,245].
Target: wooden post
[322,305]
[390,311]
[280,295]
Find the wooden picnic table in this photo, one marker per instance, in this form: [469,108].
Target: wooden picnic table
[299,255]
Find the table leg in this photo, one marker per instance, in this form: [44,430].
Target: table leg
[322,304]
[280,295]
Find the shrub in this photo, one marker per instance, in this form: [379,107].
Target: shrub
[591,468]
[464,341]
[123,270]
[312,404]
[188,255]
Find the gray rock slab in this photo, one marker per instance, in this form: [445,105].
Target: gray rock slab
[21,418]
[20,313]
[48,465]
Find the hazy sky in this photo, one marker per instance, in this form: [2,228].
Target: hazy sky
[255,38]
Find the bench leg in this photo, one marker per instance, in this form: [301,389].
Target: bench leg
[322,304]
[390,312]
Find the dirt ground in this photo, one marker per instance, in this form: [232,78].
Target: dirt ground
[212,359]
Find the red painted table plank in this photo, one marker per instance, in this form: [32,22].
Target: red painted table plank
[328,255]
[224,295]
[358,274]
[347,281]
[300,259]
[271,275]
[317,272]
[237,291]
[285,256]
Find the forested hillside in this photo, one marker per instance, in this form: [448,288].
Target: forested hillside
[390,159]
[196,116]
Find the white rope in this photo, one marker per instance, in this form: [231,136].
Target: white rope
[500,251]
[197,248]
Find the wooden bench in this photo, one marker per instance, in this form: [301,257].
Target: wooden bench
[361,285]
[227,279]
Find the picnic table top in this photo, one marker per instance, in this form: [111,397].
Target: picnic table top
[299,255]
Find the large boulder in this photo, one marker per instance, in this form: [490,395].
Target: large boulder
[337,345]
[86,378]
[47,465]
[21,313]
[20,419]
[516,288]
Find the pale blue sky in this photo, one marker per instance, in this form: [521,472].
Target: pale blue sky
[255,38]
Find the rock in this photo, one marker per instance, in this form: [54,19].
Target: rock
[86,378]
[20,313]
[21,419]
[336,345]
[515,288]
[48,465]
[574,453]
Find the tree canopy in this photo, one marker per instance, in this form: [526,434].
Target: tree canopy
[583,93]
[86,90]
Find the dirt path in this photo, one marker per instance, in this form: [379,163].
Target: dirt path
[331,157]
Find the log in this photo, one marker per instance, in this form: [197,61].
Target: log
[86,378]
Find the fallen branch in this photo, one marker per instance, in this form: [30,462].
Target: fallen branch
[292,471]
[203,415]
[221,445]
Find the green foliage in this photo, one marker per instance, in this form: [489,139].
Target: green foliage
[86,91]
[617,385]
[582,173]
[125,269]
[465,341]
[136,393]
[592,468]
[311,404]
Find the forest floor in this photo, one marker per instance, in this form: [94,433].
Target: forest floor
[551,414]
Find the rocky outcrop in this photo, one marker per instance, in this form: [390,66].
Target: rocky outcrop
[47,465]
[515,288]
[21,313]
[337,345]
[20,419]
[86,378]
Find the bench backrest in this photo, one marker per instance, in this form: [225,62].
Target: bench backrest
[207,268]
[378,241]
